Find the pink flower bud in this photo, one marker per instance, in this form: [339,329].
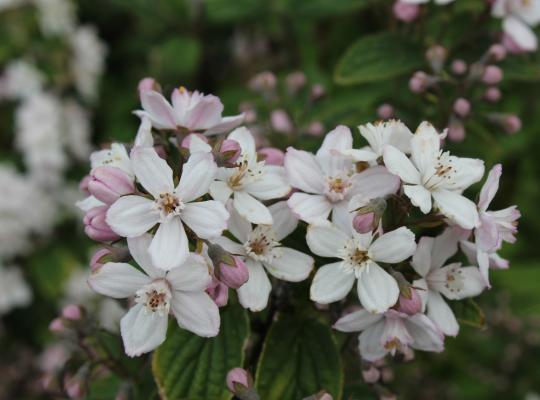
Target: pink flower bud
[492,75]
[512,124]
[436,56]
[492,94]
[456,131]
[237,380]
[83,185]
[326,396]
[263,81]
[72,312]
[317,91]
[97,259]
[74,387]
[57,325]
[296,81]
[272,156]
[371,375]
[364,223]
[109,183]
[462,107]
[420,81]
[230,151]
[233,275]
[218,292]
[186,141]
[147,84]
[405,12]
[497,52]
[385,111]
[316,128]
[410,305]
[459,67]
[96,226]
[281,122]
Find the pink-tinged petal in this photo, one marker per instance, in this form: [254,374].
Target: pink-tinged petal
[421,287]
[398,164]
[246,141]
[152,171]
[425,334]
[271,185]
[158,109]
[254,293]
[425,145]
[226,124]
[394,246]
[251,209]
[441,314]
[370,344]
[357,321]
[482,258]
[191,276]
[520,33]
[169,248]
[292,265]
[375,182]
[365,154]
[490,187]
[142,331]
[325,239]
[420,197]
[310,208]
[197,175]
[487,236]
[421,261]
[377,289]
[339,139]
[196,142]
[238,225]
[207,219]
[444,247]
[196,312]
[303,171]
[220,191]
[132,216]
[457,208]
[138,248]
[395,330]
[144,133]
[117,280]
[205,114]
[331,283]
[284,220]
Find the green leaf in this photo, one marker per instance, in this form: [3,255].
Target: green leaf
[225,11]
[177,56]
[469,312]
[190,367]
[378,57]
[299,358]
[322,8]
[521,69]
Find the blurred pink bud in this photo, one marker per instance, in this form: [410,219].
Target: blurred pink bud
[57,325]
[459,67]
[218,292]
[405,12]
[420,81]
[296,81]
[385,111]
[281,122]
[272,156]
[456,131]
[316,128]
[497,52]
[109,183]
[74,387]
[326,396]
[237,380]
[72,312]
[410,305]
[371,375]
[97,259]
[492,94]
[492,75]
[317,91]
[388,396]
[364,223]
[233,274]
[186,141]
[263,81]
[147,84]
[512,124]
[83,185]
[96,226]
[462,107]
[230,151]
[436,56]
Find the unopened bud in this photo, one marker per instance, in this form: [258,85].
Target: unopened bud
[459,67]
[281,122]
[436,56]
[74,387]
[272,156]
[83,185]
[218,292]
[238,380]
[497,52]
[364,223]
[263,81]
[72,312]
[405,12]
[410,302]
[367,213]
[57,325]
[512,124]
[385,111]
[296,81]
[316,128]
[109,183]
[229,152]
[233,274]
[462,107]
[99,258]
[456,131]
[317,91]
[492,94]
[420,82]
[96,227]
[371,375]
[148,84]
[492,75]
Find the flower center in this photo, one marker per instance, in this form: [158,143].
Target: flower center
[169,204]
[454,280]
[354,256]
[156,297]
[245,172]
[337,188]
[443,172]
[262,244]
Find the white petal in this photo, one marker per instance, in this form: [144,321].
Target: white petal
[444,247]
[251,209]
[425,145]
[207,219]
[467,172]
[229,245]
[425,333]
[292,265]
[441,314]
[421,261]
[238,225]
[144,134]
[246,141]
[118,280]
[356,321]
[377,289]
[152,171]
[196,312]
[197,175]
[158,109]
[132,216]
[192,275]
[88,203]
[169,248]
[338,139]
[422,289]
[420,197]
[325,239]
[226,124]
[310,207]
[365,154]
[342,218]
[331,283]
[220,191]
[142,331]
[254,293]
[457,208]
[284,220]
[483,261]
[398,164]
[521,33]
[375,182]
[473,282]
[303,171]
[394,246]
[138,248]
[272,184]
[370,344]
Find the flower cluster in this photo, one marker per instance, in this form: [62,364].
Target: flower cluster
[203,214]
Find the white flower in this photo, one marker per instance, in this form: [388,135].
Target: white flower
[360,256]
[437,279]
[21,79]
[262,251]
[329,179]
[390,332]
[14,291]
[171,206]
[117,156]
[250,182]
[181,291]
[519,16]
[56,17]
[77,129]
[433,173]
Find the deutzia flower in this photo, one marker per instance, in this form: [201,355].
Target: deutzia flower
[170,206]
[250,181]
[14,291]
[390,332]
[519,17]
[433,173]
[156,292]
[329,179]
[190,111]
[263,252]
[360,255]
[451,281]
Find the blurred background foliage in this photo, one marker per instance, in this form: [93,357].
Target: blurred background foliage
[216,46]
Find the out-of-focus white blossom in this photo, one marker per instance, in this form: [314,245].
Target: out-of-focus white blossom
[56,17]
[20,79]
[77,129]
[14,291]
